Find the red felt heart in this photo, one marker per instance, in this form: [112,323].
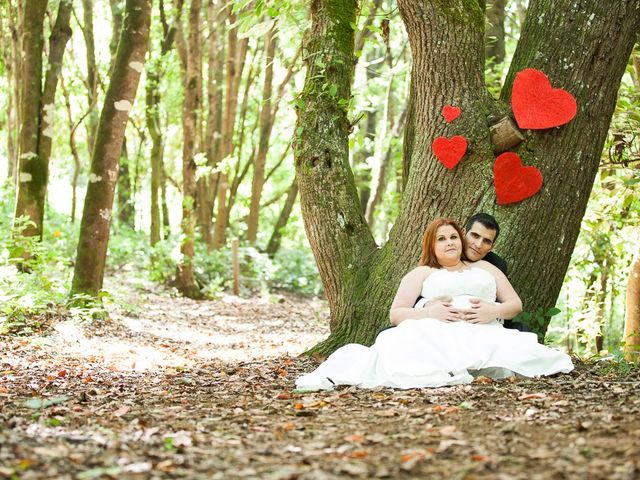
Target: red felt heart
[512,181]
[537,105]
[450,113]
[449,152]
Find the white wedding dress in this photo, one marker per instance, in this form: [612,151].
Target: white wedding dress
[430,353]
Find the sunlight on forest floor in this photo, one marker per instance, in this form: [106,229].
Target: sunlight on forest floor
[158,331]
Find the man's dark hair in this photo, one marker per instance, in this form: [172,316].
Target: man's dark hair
[488,221]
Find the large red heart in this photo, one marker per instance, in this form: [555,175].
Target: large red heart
[449,152]
[512,181]
[537,105]
[450,113]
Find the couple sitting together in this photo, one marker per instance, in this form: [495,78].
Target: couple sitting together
[452,332]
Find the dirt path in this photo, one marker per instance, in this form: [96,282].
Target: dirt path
[170,388]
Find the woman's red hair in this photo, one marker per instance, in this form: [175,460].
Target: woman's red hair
[428,257]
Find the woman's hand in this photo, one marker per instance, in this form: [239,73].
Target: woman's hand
[480,311]
[441,308]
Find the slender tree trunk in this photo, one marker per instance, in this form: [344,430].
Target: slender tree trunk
[60,35]
[274,242]
[236,52]
[74,150]
[361,158]
[215,85]
[92,73]
[185,281]
[16,19]
[8,46]
[266,125]
[153,127]
[32,176]
[166,226]
[384,153]
[96,216]
[632,322]
[495,40]
[126,210]
[153,122]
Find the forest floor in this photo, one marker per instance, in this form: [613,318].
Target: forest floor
[171,388]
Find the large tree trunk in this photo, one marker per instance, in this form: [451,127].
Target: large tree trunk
[586,55]
[266,124]
[98,204]
[632,322]
[185,281]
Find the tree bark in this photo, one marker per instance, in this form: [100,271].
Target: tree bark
[92,72]
[9,38]
[213,135]
[96,216]
[32,176]
[568,157]
[632,321]
[236,52]
[126,210]
[341,242]
[74,150]
[155,72]
[266,125]
[185,281]
[447,42]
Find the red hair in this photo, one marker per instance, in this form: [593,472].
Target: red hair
[428,256]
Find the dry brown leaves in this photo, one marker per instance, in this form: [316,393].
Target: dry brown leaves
[205,390]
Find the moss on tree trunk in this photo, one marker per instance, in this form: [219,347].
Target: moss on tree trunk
[582,46]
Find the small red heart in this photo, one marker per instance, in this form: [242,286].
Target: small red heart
[537,105]
[512,181]
[450,113]
[449,152]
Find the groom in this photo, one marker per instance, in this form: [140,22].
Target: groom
[481,233]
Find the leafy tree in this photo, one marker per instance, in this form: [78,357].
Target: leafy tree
[587,56]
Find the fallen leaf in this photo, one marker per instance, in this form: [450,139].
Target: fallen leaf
[482,379]
[532,396]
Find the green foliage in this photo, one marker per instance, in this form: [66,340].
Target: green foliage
[593,294]
[32,289]
[291,270]
[535,321]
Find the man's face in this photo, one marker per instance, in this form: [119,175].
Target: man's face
[479,241]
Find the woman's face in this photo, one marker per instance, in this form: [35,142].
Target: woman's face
[448,245]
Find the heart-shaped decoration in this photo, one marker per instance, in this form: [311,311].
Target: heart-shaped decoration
[449,151]
[450,113]
[537,105]
[512,181]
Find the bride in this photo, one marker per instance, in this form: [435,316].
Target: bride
[426,352]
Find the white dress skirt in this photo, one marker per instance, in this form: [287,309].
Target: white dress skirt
[429,353]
